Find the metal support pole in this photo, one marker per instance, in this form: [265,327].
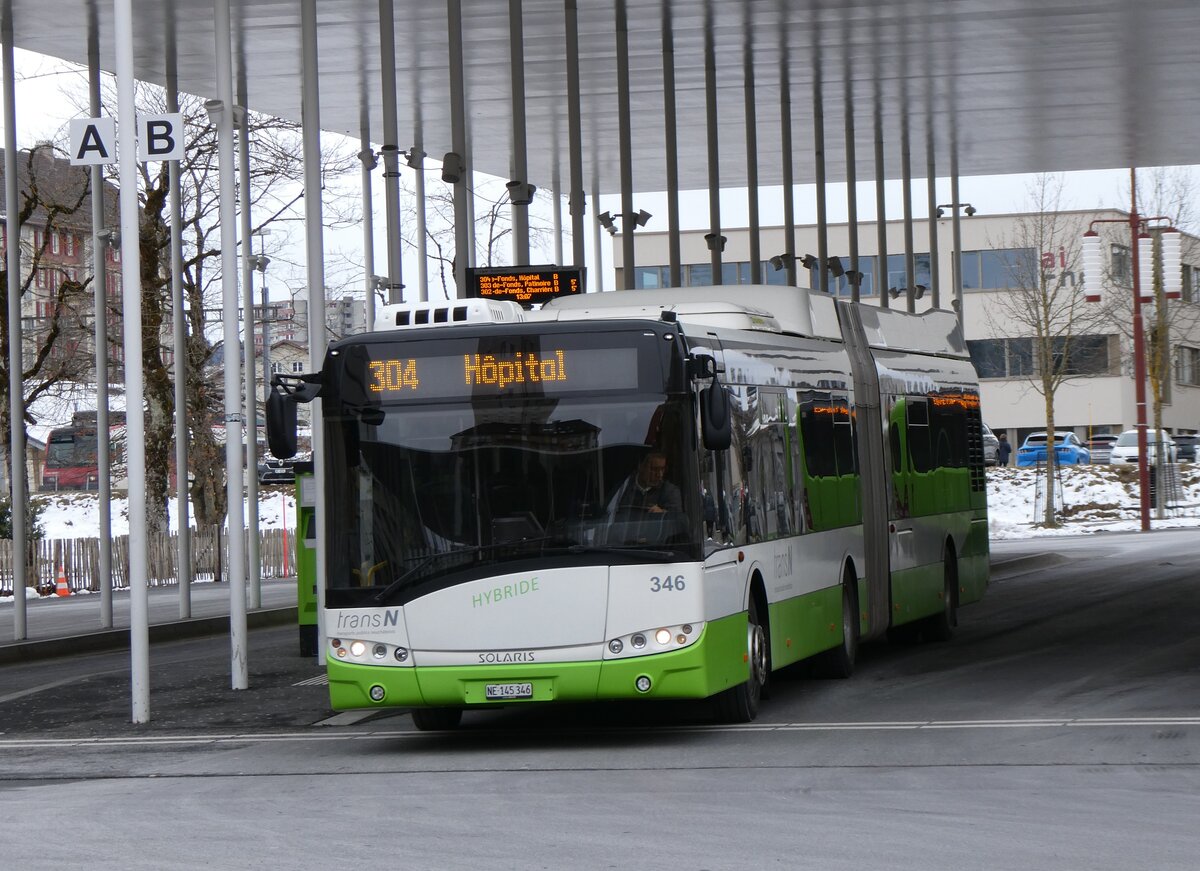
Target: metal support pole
[881,277]
[315,271]
[183,539]
[931,187]
[625,146]
[1139,358]
[391,149]
[131,305]
[16,389]
[956,239]
[458,133]
[748,92]
[851,171]
[520,208]
[367,157]
[715,242]
[671,123]
[789,199]
[576,205]
[910,265]
[416,159]
[599,281]
[254,560]
[557,214]
[100,313]
[234,435]
[818,101]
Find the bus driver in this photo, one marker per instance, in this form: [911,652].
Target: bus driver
[647,489]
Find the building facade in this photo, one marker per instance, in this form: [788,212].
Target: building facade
[1011,265]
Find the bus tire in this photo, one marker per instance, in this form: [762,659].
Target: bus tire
[838,662]
[941,626]
[436,719]
[740,704]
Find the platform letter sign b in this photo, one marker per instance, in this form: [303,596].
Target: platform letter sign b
[160,137]
[93,141]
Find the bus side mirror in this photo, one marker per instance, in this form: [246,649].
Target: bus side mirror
[281,423]
[716,430]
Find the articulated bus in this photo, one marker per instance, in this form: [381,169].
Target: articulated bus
[638,495]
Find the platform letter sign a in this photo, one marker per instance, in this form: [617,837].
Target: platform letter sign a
[93,141]
[160,137]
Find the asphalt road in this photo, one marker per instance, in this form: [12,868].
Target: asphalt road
[1060,729]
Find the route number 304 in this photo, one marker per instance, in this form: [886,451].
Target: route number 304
[674,583]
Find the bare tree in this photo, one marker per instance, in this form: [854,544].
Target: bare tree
[276,171]
[1046,303]
[56,297]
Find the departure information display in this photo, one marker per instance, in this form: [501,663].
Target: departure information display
[551,370]
[526,285]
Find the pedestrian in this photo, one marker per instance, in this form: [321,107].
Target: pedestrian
[1003,450]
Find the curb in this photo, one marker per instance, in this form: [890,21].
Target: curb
[118,639]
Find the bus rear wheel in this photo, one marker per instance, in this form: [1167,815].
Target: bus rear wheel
[839,661]
[436,719]
[941,626]
[740,704]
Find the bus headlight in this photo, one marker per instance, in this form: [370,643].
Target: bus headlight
[357,649]
[666,638]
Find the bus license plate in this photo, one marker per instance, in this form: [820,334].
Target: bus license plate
[508,691]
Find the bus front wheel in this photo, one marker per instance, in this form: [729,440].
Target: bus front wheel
[436,719]
[740,704]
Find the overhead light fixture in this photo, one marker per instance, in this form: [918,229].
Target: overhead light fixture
[715,241]
[414,157]
[369,158]
[893,292]
[970,210]
[215,110]
[940,212]
[606,221]
[452,167]
[642,217]
[776,262]
[809,262]
[520,193]
[835,267]
[920,291]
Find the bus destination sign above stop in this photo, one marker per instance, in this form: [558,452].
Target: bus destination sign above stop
[525,285]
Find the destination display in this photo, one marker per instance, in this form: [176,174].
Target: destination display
[526,285]
[552,370]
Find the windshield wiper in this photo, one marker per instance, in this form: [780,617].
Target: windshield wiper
[616,549]
[386,593]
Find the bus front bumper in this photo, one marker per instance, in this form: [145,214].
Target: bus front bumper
[716,661]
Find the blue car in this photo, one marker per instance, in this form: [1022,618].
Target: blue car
[1068,450]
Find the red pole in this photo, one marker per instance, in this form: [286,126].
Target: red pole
[1139,358]
[283,502]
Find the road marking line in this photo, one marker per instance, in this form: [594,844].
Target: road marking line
[292,737]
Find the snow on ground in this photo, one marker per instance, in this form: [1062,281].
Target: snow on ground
[1097,499]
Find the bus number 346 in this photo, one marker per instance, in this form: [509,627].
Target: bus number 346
[670,582]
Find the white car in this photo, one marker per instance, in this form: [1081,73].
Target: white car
[1125,448]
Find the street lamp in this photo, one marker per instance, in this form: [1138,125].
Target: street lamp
[258,263]
[1141,250]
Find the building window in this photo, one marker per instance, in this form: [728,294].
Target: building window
[1187,365]
[1002,358]
[297,366]
[70,244]
[1121,264]
[650,277]
[1191,283]
[54,241]
[998,269]
[1082,355]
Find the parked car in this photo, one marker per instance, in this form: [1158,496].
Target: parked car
[990,444]
[273,471]
[1068,449]
[1125,449]
[1185,446]
[1100,446]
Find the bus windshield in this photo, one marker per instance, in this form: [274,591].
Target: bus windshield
[425,496]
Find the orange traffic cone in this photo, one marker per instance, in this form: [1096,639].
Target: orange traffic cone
[60,587]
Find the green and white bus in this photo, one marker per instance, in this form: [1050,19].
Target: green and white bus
[824,485]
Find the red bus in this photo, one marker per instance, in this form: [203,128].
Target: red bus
[72,452]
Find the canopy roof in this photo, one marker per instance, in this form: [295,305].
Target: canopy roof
[1012,85]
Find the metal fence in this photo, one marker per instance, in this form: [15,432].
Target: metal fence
[79,560]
